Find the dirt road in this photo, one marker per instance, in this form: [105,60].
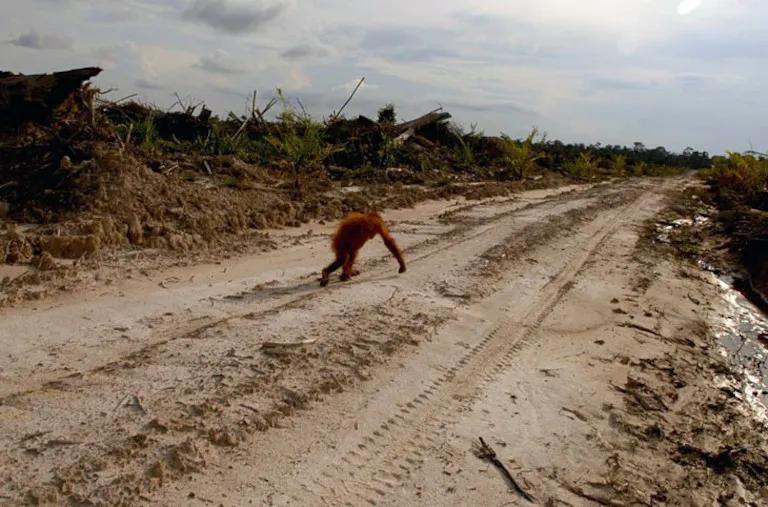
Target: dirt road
[535,322]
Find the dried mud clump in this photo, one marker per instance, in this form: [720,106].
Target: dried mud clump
[184,458]
[47,495]
[224,437]
[15,248]
[46,262]
[70,247]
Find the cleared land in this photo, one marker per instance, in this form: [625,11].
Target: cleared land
[540,322]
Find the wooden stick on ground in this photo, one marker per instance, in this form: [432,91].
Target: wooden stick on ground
[632,325]
[278,345]
[486,453]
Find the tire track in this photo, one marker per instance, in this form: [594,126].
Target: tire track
[402,425]
[383,459]
[424,251]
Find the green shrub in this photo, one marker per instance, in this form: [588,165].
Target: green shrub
[519,156]
[463,153]
[743,174]
[619,165]
[142,133]
[219,142]
[389,152]
[466,146]
[300,143]
[584,166]
[639,168]
[665,170]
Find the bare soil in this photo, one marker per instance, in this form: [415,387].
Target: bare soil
[122,214]
[542,322]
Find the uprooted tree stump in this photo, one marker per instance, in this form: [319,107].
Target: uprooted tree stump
[35,98]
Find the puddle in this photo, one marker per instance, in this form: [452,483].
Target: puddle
[743,329]
[743,333]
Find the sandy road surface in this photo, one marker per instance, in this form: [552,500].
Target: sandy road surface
[512,323]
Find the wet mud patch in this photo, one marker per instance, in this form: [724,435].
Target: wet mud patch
[692,229]
[673,407]
[703,406]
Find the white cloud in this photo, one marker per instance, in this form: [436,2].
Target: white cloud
[608,70]
[352,84]
[293,78]
[688,6]
[159,61]
[148,84]
[112,56]
[305,51]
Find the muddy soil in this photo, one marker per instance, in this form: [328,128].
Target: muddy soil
[542,322]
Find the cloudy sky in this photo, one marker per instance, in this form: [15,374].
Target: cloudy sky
[664,72]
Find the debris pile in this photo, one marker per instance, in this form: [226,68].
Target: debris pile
[37,98]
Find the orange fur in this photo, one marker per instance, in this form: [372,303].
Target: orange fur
[353,232]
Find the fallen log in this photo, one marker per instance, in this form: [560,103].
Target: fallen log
[34,98]
[422,121]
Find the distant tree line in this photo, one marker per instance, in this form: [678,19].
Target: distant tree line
[559,153]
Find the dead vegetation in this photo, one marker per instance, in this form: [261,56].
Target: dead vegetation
[85,179]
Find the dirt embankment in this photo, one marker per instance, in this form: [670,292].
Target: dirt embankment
[110,204]
[738,188]
[748,230]
[128,211]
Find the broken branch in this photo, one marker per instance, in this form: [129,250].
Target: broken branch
[271,346]
[485,452]
[648,330]
[350,98]
[253,106]
[576,490]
